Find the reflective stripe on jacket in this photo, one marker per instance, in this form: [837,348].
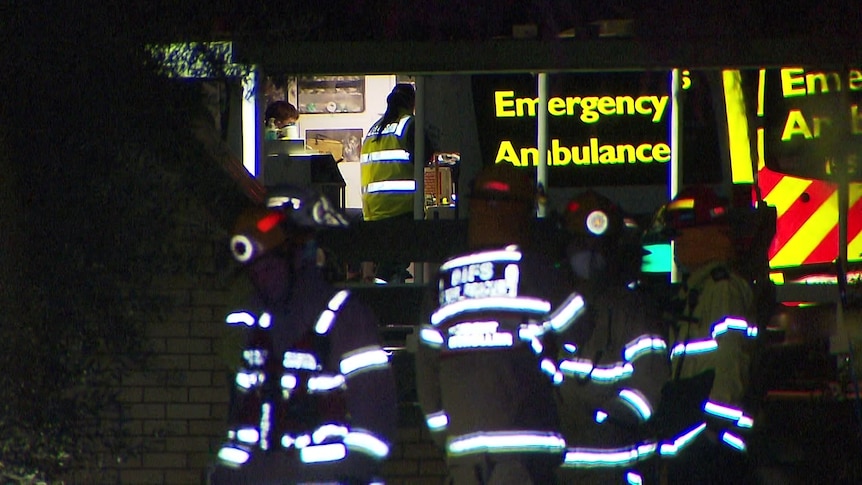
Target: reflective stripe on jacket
[480,379]
[613,381]
[717,333]
[294,401]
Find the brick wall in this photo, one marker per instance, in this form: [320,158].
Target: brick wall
[177,407]
[415,459]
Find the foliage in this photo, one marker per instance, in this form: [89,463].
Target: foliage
[100,148]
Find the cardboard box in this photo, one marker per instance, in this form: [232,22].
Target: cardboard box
[335,147]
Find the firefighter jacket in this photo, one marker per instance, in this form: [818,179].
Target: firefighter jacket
[386,169]
[483,382]
[615,364]
[316,395]
[714,332]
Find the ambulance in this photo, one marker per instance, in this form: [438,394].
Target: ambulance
[774,127]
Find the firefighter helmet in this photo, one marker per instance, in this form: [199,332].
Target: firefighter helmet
[591,214]
[697,205]
[502,201]
[503,182]
[257,231]
[605,243]
[304,208]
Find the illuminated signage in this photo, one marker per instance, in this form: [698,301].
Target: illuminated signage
[603,128]
[812,121]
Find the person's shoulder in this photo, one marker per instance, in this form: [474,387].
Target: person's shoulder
[724,278]
[358,312]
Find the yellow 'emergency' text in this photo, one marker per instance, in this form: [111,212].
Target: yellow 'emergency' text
[589,108]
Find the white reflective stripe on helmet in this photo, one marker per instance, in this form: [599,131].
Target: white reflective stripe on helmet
[243,247]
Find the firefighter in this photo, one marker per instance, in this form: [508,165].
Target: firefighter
[712,334]
[484,378]
[614,360]
[315,397]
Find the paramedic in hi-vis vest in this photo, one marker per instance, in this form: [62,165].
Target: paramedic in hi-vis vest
[712,338]
[386,172]
[485,380]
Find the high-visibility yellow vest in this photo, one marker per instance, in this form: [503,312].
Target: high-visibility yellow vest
[386,170]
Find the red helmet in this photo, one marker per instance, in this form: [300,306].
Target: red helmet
[695,206]
[502,201]
[503,182]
